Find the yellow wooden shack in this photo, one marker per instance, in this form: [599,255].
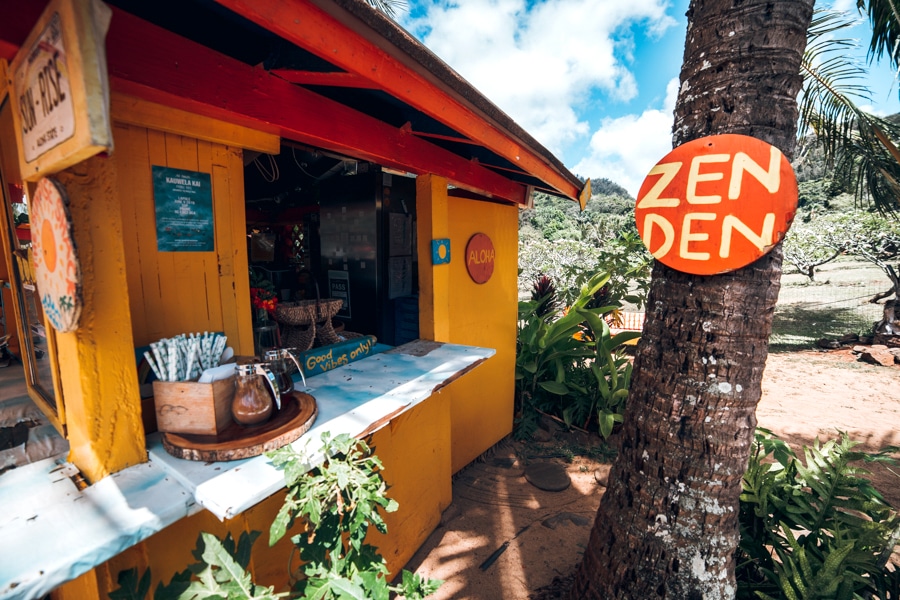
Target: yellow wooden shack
[339,158]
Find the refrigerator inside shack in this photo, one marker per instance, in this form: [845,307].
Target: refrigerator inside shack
[337,228]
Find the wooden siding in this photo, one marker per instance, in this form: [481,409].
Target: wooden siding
[183,292]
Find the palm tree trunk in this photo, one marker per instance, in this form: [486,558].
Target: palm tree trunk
[667,526]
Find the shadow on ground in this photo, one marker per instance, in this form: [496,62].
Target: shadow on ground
[798,326]
[503,537]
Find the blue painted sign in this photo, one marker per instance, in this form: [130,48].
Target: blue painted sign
[184,213]
[440,251]
[326,358]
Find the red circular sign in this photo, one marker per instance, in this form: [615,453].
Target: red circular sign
[480,258]
[716,204]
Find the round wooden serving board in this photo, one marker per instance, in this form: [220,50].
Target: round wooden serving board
[296,417]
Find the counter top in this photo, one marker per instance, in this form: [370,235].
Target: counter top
[355,399]
[52,531]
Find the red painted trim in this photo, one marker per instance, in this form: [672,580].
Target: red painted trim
[312,28]
[330,79]
[438,136]
[8,50]
[152,63]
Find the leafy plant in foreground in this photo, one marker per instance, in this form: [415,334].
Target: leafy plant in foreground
[815,530]
[338,502]
[220,572]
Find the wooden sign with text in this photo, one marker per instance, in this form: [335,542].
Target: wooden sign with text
[60,88]
[716,204]
[480,258]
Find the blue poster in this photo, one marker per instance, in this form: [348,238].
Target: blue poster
[184,213]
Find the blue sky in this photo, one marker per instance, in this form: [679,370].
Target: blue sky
[595,81]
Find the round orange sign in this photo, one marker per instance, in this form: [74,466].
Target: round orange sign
[480,258]
[716,204]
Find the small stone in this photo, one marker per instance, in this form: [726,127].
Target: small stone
[881,356]
[549,425]
[547,476]
[504,462]
[601,475]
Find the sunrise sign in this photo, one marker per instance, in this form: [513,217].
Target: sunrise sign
[716,204]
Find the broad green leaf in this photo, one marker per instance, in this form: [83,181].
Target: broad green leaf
[606,422]
[555,387]
[623,337]
[214,554]
[130,586]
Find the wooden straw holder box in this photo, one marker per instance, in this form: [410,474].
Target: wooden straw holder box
[191,407]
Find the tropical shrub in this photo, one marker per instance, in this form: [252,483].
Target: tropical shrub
[815,530]
[338,502]
[570,365]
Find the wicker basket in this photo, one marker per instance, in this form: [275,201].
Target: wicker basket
[305,321]
[307,312]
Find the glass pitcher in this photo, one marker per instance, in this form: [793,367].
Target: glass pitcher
[276,360]
[252,404]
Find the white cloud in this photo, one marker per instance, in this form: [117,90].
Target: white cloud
[843,5]
[625,149]
[541,61]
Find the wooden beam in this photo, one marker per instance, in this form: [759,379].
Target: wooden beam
[191,77]
[134,111]
[351,80]
[311,28]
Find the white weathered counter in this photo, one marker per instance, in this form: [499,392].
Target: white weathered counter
[53,532]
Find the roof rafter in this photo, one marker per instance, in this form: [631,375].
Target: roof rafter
[342,79]
[187,75]
[312,28]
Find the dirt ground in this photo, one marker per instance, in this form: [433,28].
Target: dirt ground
[503,538]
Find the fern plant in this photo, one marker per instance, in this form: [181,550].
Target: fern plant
[816,530]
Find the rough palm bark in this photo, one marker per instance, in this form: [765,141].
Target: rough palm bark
[667,525]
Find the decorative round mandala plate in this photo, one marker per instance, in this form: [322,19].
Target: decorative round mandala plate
[56,267]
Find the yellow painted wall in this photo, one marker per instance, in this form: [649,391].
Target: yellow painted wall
[483,315]
[183,292]
[416,452]
[453,308]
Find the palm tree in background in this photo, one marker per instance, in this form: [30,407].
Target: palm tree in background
[389,7]
[860,147]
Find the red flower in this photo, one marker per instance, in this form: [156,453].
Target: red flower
[262,298]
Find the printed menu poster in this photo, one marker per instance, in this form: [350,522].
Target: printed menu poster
[184,213]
